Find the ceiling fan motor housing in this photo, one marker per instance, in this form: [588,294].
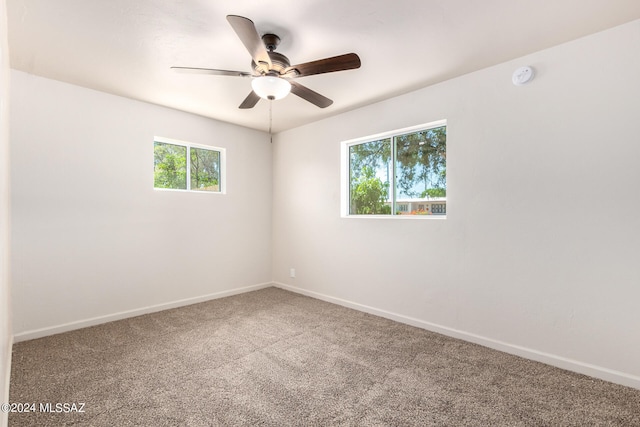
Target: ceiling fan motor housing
[279,63]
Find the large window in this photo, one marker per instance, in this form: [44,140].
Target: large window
[183,166]
[402,172]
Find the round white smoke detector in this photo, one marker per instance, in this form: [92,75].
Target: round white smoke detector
[522,76]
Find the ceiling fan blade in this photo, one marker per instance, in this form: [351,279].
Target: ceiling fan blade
[192,70]
[307,94]
[347,61]
[246,31]
[250,101]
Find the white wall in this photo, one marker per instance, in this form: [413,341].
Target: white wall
[92,240]
[540,251]
[5,304]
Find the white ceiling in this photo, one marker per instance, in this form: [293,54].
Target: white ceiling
[126,47]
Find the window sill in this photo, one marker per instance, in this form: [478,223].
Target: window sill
[182,190]
[399,217]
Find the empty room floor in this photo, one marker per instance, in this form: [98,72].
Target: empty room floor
[276,358]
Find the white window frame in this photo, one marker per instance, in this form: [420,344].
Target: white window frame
[344,171]
[223,164]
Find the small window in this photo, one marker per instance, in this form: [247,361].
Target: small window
[439,208]
[397,173]
[183,166]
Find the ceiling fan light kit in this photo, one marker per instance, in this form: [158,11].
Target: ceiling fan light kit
[272,75]
[271,87]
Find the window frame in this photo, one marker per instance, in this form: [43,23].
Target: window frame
[345,171]
[222,155]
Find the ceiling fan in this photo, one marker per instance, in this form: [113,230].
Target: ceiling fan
[273,75]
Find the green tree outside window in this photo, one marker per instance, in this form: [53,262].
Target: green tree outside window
[173,161]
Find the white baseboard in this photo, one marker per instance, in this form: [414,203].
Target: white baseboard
[549,359]
[52,330]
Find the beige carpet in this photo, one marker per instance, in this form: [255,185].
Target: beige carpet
[275,358]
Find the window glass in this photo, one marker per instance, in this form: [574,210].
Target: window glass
[205,169]
[170,166]
[183,166]
[400,173]
[370,170]
[421,169]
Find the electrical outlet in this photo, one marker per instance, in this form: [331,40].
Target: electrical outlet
[292,272]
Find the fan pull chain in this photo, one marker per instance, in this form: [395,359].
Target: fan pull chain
[270,120]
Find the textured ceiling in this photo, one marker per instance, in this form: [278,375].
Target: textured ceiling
[126,47]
